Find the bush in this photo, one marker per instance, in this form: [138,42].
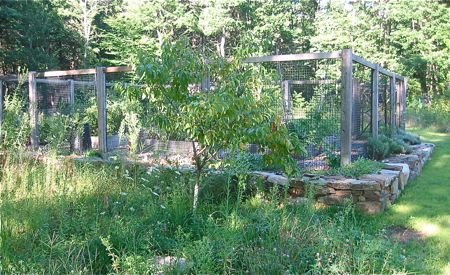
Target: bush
[383,146]
[15,129]
[408,138]
[377,149]
[357,168]
[333,160]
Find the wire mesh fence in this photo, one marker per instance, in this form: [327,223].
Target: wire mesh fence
[310,91]
[67,113]
[311,86]
[84,109]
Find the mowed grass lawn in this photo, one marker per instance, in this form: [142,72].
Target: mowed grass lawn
[424,206]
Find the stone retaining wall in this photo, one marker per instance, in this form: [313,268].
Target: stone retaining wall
[371,193]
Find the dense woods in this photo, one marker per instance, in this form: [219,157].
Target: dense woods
[410,37]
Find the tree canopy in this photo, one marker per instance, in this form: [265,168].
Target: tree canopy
[409,37]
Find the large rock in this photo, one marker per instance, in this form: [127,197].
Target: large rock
[370,207]
[339,183]
[404,173]
[334,199]
[412,160]
[367,183]
[278,179]
[373,195]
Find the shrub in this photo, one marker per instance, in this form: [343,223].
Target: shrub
[408,138]
[15,128]
[358,168]
[333,160]
[56,131]
[377,149]
[384,146]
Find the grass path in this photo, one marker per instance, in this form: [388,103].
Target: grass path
[425,206]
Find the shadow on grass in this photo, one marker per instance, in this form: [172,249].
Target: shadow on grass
[425,207]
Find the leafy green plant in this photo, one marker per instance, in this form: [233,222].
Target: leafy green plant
[333,159]
[358,168]
[228,117]
[15,128]
[383,146]
[408,138]
[313,119]
[57,131]
[377,149]
[93,153]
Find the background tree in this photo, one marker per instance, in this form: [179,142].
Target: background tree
[409,37]
[33,36]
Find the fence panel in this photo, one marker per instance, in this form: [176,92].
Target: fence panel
[311,94]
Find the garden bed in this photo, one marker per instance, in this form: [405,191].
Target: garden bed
[371,193]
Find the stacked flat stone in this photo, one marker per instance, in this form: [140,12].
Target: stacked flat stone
[371,193]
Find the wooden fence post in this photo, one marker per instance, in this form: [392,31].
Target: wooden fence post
[403,106]
[1,109]
[375,96]
[100,87]
[206,82]
[33,110]
[346,107]
[71,95]
[399,99]
[392,101]
[286,101]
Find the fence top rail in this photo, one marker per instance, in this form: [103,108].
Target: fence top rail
[374,66]
[322,55]
[294,57]
[70,72]
[83,71]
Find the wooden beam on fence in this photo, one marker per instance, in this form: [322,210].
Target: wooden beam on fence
[392,101]
[294,57]
[84,71]
[51,81]
[1,109]
[371,65]
[100,87]
[404,97]
[364,62]
[314,81]
[32,109]
[205,85]
[346,107]
[375,96]
[118,69]
[71,95]
[286,99]
[65,73]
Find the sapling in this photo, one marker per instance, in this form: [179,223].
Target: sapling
[233,113]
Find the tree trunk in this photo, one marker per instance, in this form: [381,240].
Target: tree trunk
[221,46]
[198,179]
[199,168]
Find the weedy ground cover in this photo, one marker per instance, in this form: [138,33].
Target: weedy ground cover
[60,217]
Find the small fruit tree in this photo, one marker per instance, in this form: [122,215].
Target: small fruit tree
[236,111]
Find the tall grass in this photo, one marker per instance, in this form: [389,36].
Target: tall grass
[60,216]
[435,115]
